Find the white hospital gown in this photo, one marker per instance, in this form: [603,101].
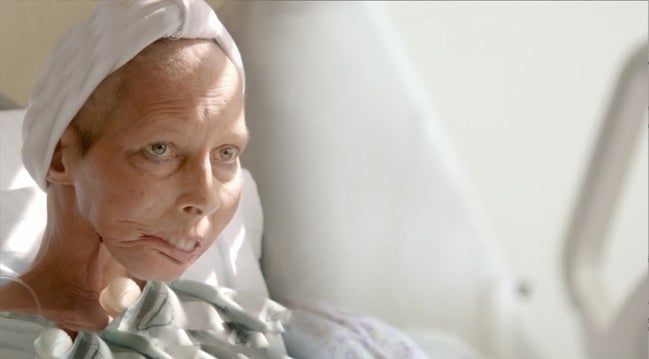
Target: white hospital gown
[190,320]
[183,319]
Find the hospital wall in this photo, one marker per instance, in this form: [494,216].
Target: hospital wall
[521,88]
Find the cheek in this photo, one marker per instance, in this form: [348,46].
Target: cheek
[111,194]
[229,196]
[106,194]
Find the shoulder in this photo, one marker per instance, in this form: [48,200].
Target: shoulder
[16,298]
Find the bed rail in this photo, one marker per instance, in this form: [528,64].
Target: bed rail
[585,239]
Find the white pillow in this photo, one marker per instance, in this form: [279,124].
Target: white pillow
[233,261]
[365,204]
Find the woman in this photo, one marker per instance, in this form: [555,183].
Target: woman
[141,169]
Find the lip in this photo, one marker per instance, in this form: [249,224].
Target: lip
[170,250]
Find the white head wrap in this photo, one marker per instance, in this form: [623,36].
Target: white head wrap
[116,32]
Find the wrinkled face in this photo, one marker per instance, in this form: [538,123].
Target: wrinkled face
[163,177]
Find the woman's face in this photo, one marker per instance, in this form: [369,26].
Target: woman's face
[163,178]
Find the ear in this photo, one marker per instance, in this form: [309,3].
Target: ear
[60,170]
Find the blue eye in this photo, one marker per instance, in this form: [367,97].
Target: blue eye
[157,149]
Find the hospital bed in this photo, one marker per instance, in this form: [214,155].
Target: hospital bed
[365,205]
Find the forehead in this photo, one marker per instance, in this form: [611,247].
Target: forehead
[182,67]
[183,73]
[179,79]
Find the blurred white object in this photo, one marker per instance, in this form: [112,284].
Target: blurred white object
[119,295]
[53,343]
[609,333]
[365,204]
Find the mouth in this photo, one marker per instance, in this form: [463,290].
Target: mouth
[180,249]
[184,244]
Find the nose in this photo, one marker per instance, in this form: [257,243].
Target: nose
[200,192]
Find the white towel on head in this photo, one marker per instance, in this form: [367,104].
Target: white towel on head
[116,32]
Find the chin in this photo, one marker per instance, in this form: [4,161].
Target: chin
[152,265]
[161,275]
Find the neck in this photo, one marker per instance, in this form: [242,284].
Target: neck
[71,267]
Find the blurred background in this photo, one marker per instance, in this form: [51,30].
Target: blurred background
[520,88]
